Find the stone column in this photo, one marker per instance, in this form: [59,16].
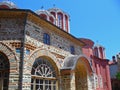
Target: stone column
[26,76]
[73,87]
[67,80]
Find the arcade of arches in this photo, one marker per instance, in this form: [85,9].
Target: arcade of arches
[45,75]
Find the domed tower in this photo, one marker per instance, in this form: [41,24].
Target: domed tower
[46,15]
[99,51]
[87,49]
[62,18]
[7,5]
[57,17]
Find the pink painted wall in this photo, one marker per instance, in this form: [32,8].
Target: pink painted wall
[100,65]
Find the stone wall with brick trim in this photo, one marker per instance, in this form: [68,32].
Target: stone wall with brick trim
[60,42]
[14,68]
[11,31]
[57,51]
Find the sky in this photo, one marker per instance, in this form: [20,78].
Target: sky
[98,20]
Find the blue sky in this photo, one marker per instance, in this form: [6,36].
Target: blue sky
[98,20]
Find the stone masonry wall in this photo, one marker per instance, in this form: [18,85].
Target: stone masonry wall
[58,49]
[57,41]
[11,31]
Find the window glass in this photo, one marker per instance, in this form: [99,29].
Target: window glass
[96,52]
[44,75]
[27,51]
[17,50]
[59,21]
[72,49]
[46,38]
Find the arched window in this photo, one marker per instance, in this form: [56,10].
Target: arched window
[72,49]
[43,75]
[60,20]
[101,52]
[46,38]
[43,16]
[96,52]
[4,7]
[53,13]
[51,20]
[4,72]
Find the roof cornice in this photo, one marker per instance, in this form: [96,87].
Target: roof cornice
[32,16]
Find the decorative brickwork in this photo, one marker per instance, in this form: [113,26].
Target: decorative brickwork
[21,40]
[35,34]
[14,74]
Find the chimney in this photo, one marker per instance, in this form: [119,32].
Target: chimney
[114,59]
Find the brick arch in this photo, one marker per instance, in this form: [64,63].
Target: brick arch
[42,53]
[10,55]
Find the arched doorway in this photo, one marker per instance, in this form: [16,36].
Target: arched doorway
[81,76]
[4,72]
[44,75]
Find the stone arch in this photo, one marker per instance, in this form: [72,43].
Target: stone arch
[81,72]
[86,62]
[80,68]
[13,65]
[71,62]
[4,71]
[42,53]
[10,55]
